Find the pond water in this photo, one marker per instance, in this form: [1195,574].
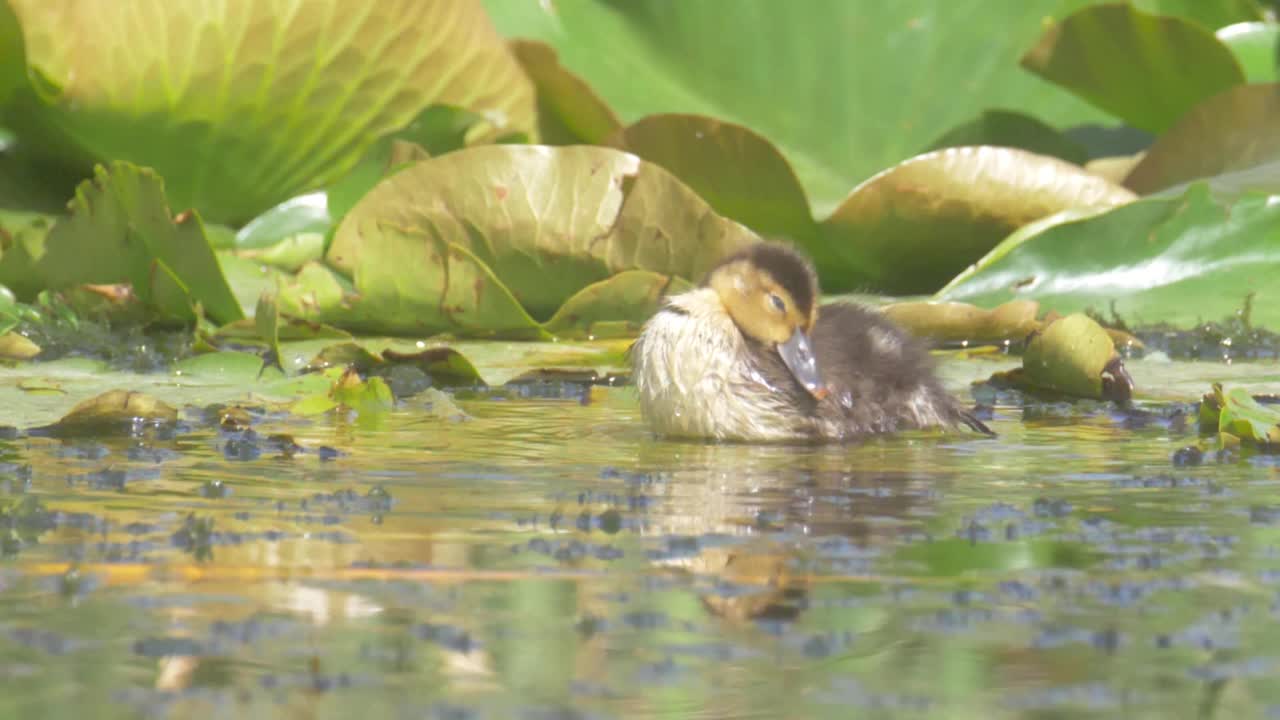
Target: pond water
[545,557]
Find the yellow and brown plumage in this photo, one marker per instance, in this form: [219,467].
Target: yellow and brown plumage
[750,356]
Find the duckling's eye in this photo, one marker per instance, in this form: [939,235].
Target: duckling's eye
[778,304]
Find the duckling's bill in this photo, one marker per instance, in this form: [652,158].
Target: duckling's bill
[797,354]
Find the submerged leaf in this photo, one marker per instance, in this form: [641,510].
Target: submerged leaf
[1146,69]
[1178,260]
[241,105]
[911,228]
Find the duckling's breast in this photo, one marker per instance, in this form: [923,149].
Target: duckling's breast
[696,377]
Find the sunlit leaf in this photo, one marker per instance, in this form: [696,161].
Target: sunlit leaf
[489,238]
[1254,45]
[305,214]
[1146,69]
[911,228]
[1075,356]
[115,410]
[1233,139]
[241,105]
[14,346]
[1179,260]
[843,89]
[962,322]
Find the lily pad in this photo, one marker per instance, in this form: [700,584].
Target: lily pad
[224,100]
[1236,413]
[120,230]
[488,238]
[1232,138]
[911,228]
[569,111]
[738,172]
[1177,260]
[1075,356]
[842,89]
[951,322]
[1003,128]
[22,238]
[1146,69]
[1254,45]
[115,411]
[15,346]
[616,307]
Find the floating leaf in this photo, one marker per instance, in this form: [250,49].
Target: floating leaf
[569,111]
[486,239]
[911,228]
[1233,138]
[115,410]
[365,397]
[1146,69]
[842,89]
[305,214]
[15,346]
[1235,413]
[962,322]
[1075,356]
[120,230]
[241,105]
[1178,260]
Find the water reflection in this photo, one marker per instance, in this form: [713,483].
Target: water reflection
[548,558]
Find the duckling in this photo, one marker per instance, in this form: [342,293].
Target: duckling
[749,356]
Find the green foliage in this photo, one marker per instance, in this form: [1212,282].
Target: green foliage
[1180,260]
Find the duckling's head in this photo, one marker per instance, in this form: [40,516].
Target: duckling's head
[771,293]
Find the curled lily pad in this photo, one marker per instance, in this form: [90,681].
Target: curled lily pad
[961,322]
[486,239]
[911,228]
[1233,139]
[1004,128]
[1075,356]
[1146,69]
[15,346]
[222,98]
[113,411]
[1237,414]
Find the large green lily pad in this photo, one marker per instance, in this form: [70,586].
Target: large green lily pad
[241,105]
[1232,138]
[494,238]
[842,88]
[1179,260]
[1146,69]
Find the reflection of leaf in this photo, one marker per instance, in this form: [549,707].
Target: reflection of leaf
[120,230]
[484,238]
[842,89]
[913,227]
[240,105]
[1146,69]
[1233,138]
[1180,260]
